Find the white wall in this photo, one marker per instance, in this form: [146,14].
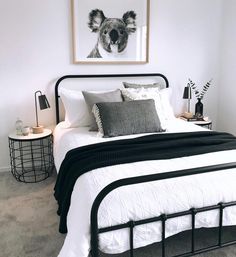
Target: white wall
[227,83]
[35,49]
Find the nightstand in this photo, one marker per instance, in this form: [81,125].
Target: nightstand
[31,156]
[203,123]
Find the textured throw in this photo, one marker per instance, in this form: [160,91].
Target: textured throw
[152,147]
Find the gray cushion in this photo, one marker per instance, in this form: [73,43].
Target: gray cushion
[93,98]
[117,119]
[134,85]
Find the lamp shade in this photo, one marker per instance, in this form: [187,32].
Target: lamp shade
[187,93]
[43,102]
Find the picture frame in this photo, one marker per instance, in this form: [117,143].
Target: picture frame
[110,31]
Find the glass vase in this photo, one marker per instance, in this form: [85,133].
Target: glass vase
[19,126]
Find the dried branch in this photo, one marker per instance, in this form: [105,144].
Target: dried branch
[199,94]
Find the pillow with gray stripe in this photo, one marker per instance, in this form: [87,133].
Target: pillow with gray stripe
[126,118]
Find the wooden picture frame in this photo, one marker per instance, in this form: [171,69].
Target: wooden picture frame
[110,31]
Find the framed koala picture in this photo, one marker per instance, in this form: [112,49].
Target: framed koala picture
[114,31]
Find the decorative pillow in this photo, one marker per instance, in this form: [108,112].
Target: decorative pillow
[76,111]
[93,98]
[161,98]
[125,118]
[134,85]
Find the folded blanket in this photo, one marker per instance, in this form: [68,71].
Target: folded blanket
[152,147]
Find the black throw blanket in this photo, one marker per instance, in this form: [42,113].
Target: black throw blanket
[152,147]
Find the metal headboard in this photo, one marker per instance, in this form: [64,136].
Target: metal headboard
[57,96]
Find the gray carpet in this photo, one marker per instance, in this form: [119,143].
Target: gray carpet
[28,219]
[29,224]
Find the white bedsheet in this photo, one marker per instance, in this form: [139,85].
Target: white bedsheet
[131,202]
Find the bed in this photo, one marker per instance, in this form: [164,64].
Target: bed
[137,201]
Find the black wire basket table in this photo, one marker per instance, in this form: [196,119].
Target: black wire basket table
[31,156]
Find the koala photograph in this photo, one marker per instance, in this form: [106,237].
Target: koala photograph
[113,33]
[110,31]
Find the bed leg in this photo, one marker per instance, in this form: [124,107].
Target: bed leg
[163,241]
[193,213]
[221,207]
[131,225]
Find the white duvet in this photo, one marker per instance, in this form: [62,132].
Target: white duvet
[144,200]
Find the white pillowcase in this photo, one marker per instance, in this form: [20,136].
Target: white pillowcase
[161,98]
[165,95]
[76,110]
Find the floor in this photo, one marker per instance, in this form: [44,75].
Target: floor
[28,220]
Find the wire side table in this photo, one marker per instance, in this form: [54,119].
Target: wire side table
[31,156]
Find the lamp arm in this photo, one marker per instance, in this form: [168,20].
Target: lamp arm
[36,107]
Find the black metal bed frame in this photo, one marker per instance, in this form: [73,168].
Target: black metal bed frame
[95,230]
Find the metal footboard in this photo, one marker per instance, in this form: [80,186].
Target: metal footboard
[95,230]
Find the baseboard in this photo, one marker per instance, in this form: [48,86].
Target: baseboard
[5,169]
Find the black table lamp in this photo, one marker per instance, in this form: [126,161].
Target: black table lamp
[187,95]
[43,104]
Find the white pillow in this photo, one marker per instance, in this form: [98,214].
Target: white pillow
[161,98]
[165,95]
[76,110]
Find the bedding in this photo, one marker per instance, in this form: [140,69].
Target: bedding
[161,98]
[126,118]
[131,202]
[135,85]
[76,111]
[92,98]
[155,147]
[66,139]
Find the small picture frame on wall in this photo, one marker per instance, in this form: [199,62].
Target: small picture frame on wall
[110,31]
